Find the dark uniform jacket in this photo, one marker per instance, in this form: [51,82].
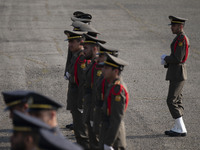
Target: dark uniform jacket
[99,93]
[92,73]
[113,130]
[176,61]
[77,65]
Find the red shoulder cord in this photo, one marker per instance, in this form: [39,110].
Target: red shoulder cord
[103,89]
[113,92]
[186,49]
[75,69]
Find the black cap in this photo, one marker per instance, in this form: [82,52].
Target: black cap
[81,16]
[80,26]
[26,123]
[92,40]
[115,62]
[51,141]
[13,98]
[109,50]
[177,20]
[39,102]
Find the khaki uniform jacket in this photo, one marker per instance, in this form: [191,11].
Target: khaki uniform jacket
[176,67]
[74,96]
[113,129]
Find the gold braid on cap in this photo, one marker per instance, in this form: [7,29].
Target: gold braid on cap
[111,64]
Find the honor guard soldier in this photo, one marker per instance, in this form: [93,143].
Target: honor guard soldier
[92,72]
[74,96]
[99,87]
[176,74]
[81,17]
[50,141]
[26,131]
[15,100]
[112,135]
[44,109]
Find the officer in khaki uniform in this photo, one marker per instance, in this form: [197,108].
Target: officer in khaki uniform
[91,73]
[176,74]
[112,134]
[99,88]
[84,18]
[77,64]
[81,17]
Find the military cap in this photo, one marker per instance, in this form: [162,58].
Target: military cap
[81,16]
[115,62]
[80,26]
[109,50]
[26,123]
[39,102]
[13,98]
[51,141]
[177,20]
[92,40]
[73,34]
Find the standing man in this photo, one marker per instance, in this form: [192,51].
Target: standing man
[99,88]
[78,63]
[15,100]
[176,74]
[86,19]
[112,135]
[92,72]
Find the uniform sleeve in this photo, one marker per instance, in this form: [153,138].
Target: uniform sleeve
[116,116]
[178,54]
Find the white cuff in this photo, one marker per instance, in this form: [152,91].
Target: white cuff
[106,147]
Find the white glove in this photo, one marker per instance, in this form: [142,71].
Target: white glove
[91,123]
[163,62]
[67,75]
[80,110]
[106,147]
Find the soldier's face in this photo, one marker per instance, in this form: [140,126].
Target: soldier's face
[88,51]
[17,141]
[101,58]
[74,45]
[21,108]
[108,72]
[176,28]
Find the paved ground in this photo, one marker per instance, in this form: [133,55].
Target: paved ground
[33,55]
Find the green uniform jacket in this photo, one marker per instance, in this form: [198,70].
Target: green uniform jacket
[92,73]
[98,99]
[176,67]
[74,96]
[113,129]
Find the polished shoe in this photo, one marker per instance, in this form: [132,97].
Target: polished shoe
[70,126]
[172,133]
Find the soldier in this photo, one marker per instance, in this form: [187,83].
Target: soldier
[176,74]
[44,109]
[50,141]
[92,72]
[15,100]
[112,134]
[86,19]
[99,87]
[78,63]
[26,131]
